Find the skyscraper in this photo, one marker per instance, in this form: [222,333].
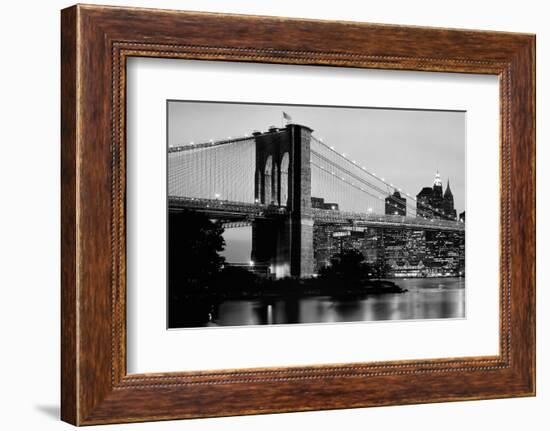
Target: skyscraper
[431,202]
[449,203]
[424,203]
[437,195]
[396,205]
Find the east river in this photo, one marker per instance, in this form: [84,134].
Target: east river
[427,298]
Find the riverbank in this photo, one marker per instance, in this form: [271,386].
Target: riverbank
[299,288]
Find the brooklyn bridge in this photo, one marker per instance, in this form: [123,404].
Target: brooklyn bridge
[302,198]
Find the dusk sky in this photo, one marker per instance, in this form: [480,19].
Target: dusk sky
[406,147]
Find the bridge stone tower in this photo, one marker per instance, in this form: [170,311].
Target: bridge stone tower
[283,178]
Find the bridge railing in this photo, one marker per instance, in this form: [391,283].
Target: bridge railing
[257,209]
[207,144]
[319,215]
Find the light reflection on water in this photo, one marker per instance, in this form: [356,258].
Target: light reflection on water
[427,298]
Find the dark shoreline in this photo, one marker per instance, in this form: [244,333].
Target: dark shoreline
[302,288]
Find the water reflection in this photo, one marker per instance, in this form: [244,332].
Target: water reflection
[434,298]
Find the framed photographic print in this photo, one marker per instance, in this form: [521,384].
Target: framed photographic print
[280,227]
[267,215]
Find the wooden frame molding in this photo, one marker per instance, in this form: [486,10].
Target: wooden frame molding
[95,43]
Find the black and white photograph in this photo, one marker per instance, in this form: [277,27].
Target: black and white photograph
[299,214]
[275,215]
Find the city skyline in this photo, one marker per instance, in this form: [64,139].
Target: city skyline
[284,222]
[408,147]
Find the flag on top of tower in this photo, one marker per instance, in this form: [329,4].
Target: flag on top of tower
[287,117]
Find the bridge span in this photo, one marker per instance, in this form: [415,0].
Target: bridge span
[237,214]
[296,193]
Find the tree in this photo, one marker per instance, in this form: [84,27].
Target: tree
[194,244]
[348,264]
[380,269]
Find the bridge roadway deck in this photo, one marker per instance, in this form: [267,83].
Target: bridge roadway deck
[246,212]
